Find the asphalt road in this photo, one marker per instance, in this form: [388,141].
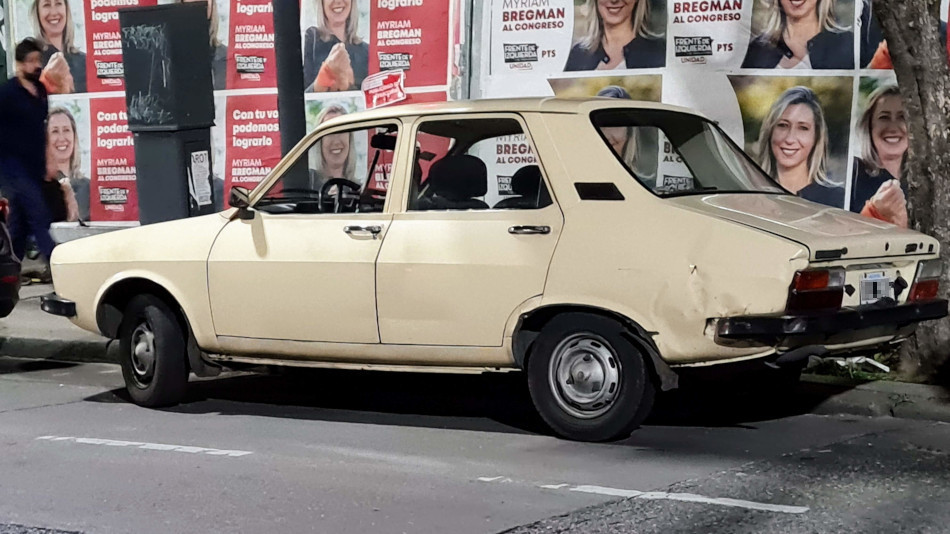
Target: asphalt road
[353,452]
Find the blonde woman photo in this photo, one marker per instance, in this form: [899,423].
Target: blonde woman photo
[793,147]
[64,159]
[333,155]
[617,35]
[801,34]
[335,58]
[53,24]
[877,190]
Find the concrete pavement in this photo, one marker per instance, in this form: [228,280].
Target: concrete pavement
[342,452]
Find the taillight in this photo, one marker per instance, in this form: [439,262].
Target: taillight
[816,290]
[927,282]
[4,208]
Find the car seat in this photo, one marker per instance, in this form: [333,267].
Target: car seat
[529,186]
[454,183]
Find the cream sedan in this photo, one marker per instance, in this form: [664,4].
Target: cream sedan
[598,245]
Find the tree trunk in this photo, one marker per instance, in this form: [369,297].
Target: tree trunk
[920,61]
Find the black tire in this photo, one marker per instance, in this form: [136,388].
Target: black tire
[163,383]
[583,345]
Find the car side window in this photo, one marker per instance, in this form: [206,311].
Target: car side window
[342,172]
[475,164]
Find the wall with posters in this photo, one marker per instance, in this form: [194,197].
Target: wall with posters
[820,113]
[404,51]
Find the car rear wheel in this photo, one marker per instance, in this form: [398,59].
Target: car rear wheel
[152,348]
[588,381]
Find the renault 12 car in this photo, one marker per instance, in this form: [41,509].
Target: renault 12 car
[598,245]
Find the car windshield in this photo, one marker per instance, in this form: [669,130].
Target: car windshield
[676,154]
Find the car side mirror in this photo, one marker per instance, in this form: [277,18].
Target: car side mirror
[241,199]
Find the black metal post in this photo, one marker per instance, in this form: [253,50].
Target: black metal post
[287,47]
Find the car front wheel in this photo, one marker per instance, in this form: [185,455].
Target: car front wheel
[152,346]
[588,381]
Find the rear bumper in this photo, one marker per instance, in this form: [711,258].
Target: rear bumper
[765,328]
[54,304]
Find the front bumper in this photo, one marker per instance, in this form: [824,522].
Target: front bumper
[770,327]
[56,305]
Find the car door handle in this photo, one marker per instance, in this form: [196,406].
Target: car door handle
[527,230]
[375,230]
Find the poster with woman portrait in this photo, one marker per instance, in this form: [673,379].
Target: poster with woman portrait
[336,42]
[879,151]
[339,155]
[874,52]
[802,35]
[618,35]
[251,59]
[798,129]
[69,150]
[58,24]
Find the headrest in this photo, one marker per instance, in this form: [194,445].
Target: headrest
[526,181]
[459,177]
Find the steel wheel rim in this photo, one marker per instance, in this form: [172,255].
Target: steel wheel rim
[143,354]
[584,375]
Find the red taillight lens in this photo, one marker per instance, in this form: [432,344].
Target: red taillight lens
[816,290]
[9,279]
[927,281]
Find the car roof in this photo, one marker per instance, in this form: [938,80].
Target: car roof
[558,105]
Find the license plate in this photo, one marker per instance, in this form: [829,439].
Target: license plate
[874,287]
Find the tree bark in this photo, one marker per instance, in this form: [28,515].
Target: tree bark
[921,64]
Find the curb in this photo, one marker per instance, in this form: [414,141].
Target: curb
[836,396]
[826,395]
[51,349]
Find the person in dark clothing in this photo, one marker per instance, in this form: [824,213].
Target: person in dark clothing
[803,35]
[23,157]
[617,37]
[335,58]
[53,23]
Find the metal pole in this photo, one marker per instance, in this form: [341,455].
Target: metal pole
[287,47]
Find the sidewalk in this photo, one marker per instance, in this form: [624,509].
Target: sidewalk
[29,332]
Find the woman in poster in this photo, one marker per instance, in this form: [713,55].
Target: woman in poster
[334,157]
[335,58]
[53,23]
[801,34]
[617,37]
[793,147]
[877,190]
[219,51]
[63,154]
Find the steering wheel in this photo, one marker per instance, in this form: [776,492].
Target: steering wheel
[338,198]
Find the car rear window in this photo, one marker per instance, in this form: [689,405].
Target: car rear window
[675,154]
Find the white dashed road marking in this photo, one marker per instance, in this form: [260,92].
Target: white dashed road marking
[147,446]
[662,495]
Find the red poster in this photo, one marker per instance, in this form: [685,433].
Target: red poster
[384,88]
[104,71]
[112,195]
[411,35]
[251,57]
[253,148]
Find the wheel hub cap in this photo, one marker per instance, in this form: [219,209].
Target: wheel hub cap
[143,352]
[585,375]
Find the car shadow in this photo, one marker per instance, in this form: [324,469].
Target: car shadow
[489,402]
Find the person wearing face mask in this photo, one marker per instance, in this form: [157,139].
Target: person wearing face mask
[335,58]
[219,51]
[801,34]
[877,190]
[23,157]
[53,23]
[793,147]
[617,36]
